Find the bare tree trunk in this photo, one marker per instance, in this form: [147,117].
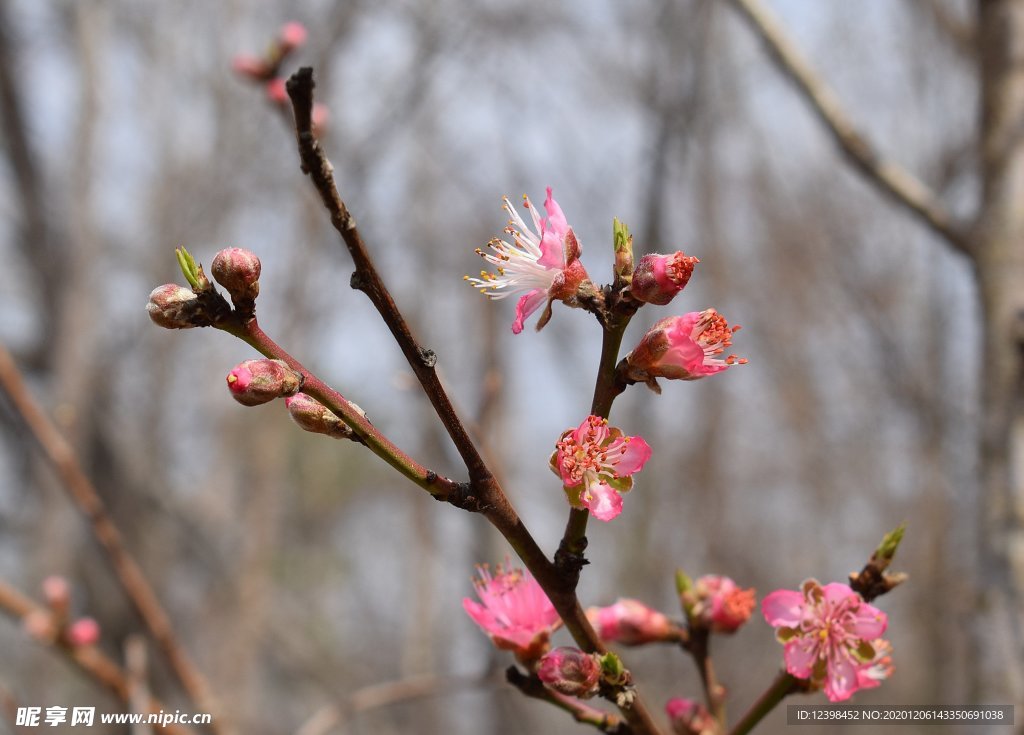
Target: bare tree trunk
[999,251]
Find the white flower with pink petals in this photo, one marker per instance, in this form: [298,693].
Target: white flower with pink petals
[830,635]
[515,612]
[542,264]
[596,463]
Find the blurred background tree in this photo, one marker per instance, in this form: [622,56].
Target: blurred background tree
[318,593]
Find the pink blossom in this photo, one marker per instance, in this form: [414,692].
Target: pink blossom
[721,604]
[684,347]
[543,264]
[658,278]
[630,622]
[596,464]
[515,613]
[829,635]
[570,671]
[276,91]
[688,717]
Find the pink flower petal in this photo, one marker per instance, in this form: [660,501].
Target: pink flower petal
[841,681]
[800,655]
[603,502]
[527,304]
[783,608]
[635,457]
[869,622]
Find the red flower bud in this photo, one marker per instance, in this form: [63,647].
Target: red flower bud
[172,306]
[658,278]
[254,382]
[238,271]
[570,671]
[311,415]
[689,717]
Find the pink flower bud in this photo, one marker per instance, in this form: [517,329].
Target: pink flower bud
[311,415]
[172,306]
[57,593]
[689,718]
[251,67]
[238,271]
[631,623]
[291,36]
[658,278]
[83,632]
[260,381]
[570,671]
[276,91]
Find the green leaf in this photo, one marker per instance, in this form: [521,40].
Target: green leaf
[188,266]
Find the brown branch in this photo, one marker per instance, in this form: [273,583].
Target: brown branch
[367,279]
[81,491]
[891,179]
[485,495]
[532,687]
[88,659]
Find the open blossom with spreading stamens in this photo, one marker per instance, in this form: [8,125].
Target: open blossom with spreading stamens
[515,613]
[596,463]
[543,264]
[684,347]
[830,635]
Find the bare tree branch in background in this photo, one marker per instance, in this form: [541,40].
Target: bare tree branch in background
[899,184]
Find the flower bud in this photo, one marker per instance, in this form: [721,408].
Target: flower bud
[291,36]
[172,306]
[311,415]
[570,671]
[57,593]
[260,381]
[82,632]
[719,604]
[319,118]
[630,622]
[658,278]
[623,244]
[238,271]
[689,718]
[251,67]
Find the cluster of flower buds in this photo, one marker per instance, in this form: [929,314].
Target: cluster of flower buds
[266,70]
[54,624]
[255,382]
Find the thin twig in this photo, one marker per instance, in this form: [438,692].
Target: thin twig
[367,279]
[128,572]
[88,659]
[899,184]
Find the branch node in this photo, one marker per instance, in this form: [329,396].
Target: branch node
[427,357]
